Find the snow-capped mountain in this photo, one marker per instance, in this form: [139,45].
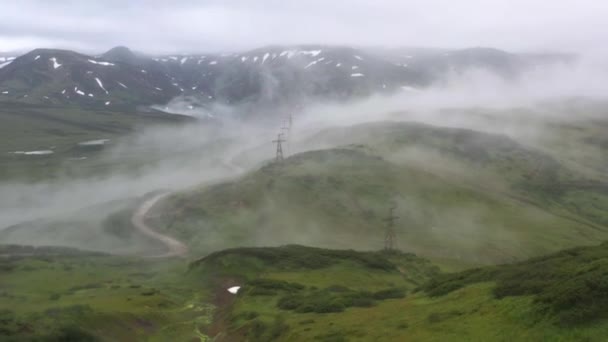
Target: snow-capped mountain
[269,75]
[6,59]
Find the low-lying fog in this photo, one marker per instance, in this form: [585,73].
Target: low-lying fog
[201,153]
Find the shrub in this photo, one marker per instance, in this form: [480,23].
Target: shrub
[332,299]
[271,284]
[72,334]
[571,285]
[389,294]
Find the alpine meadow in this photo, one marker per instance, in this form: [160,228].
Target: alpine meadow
[303,171]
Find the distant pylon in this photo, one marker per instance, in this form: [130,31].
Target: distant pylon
[286,129]
[285,132]
[390,238]
[279,141]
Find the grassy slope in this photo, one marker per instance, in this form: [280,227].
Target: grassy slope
[58,292]
[51,293]
[315,281]
[338,296]
[470,311]
[31,127]
[340,197]
[106,228]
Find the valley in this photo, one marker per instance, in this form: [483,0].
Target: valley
[142,198]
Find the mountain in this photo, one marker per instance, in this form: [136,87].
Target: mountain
[269,75]
[436,63]
[66,77]
[6,59]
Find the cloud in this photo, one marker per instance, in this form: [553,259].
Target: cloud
[213,25]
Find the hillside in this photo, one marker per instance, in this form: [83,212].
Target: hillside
[297,300]
[43,141]
[60,294]
[297,293]
[340,198]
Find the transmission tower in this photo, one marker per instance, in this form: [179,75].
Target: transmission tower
[285,133]
[279,142]
[390,238]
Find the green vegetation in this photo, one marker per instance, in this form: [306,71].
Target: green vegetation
[340,197]
[59,294]
[60,129]
[106,227]
[296,302]
[282,284]
[571,284]
[463,199]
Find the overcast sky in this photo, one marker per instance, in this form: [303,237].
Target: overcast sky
[157,26]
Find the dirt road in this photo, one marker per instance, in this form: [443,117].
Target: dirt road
[175,248]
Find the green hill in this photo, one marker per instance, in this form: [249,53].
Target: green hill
[60,294]
[297,293]
[65,131]
[301,294]
[341,197]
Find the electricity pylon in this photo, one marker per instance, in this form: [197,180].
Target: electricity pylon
[279,141]
[390,238]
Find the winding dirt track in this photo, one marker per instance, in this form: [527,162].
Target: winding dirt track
[175,248]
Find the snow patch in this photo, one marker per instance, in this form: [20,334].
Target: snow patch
[354,67]
[289,53]
[314,62]
[313,53]
[81,93]
[234,289]
[356,75]
[2,65]
[184,60]
[266,55]
[100,84]
[37,57]
[213,63]
[108,103]
[101,63]
[122,85]
[358,57]
[55,63]
[34,153]
[97,142]
[5,92]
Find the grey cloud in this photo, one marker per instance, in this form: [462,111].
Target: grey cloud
[213,25]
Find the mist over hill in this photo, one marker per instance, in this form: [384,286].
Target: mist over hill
[264,77]
[297,171]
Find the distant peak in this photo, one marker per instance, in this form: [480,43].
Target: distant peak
[120,53]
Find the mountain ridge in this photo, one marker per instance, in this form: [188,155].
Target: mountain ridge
[272,74]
